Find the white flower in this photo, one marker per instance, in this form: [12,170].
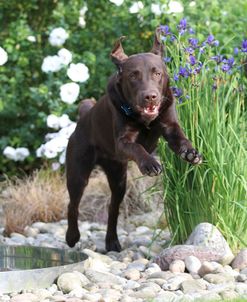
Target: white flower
[69,92]
[49,152]
[156,9]
[78,72]
[175,7]
[83,10]
[31,39]
[82,22]
[64,121]
[67,131]
[55,166]
[117,2]
[58,36]
[62,157]
[65,56]
[3,56]
[18,154]
[51,64]
[21,153]
[52,121]
[136,7]
[40,151]
[9,152]
[192,3]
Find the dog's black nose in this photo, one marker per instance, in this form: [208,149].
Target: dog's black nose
[151,96]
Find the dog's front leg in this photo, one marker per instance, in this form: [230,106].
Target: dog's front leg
[126,144]
[176,139]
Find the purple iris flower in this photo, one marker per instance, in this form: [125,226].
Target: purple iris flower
[167,59]
[198,68]
[227,64]
[182,26]
[225,67]
[177,92]
[210,39]
[165,30]
[244,46]
[189,50]
[193,42]
[172,38]
[184,72]
[218,58]
[236,51]
[176,77]
[191,31]
[192,60]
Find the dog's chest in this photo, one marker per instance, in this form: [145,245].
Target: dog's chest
[148,138]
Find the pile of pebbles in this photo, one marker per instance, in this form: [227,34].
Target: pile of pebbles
[131,275]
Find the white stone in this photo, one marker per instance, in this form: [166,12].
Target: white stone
[177,266]
[192,264]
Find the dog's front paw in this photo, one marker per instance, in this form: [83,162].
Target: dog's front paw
[150,167]
[72,237]
[191,156]
[113,245]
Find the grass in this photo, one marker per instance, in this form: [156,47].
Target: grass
[215,121]
[43,197]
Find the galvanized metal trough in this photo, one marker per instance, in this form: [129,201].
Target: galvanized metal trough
[28,267]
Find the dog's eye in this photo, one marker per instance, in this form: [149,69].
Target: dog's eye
[133,75]
[157,74]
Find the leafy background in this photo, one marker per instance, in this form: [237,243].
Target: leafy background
[28,95]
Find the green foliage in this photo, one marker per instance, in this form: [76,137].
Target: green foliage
[28,95]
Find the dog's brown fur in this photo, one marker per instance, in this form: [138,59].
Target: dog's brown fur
[124,125]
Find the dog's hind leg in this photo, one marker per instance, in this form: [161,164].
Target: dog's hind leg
[116,173]
[78,171]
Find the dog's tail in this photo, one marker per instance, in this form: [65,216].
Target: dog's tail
[85,105]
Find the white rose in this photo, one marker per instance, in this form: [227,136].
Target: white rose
[82,22]
[67,131]
[40,151]
[78,72]
[3,56]
[21,153]
[64,121]
[31,39]
[62,157]
[49,153]
[69,92]
[57,144]
[9,152]
[52,121]
[117,2]
[58,36]
[51,64]
[18,154]
[175,7]
[156,9]
[136,7]
[83,10]
[65,55]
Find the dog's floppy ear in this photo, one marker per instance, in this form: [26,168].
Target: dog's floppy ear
[158,47]
[117,55]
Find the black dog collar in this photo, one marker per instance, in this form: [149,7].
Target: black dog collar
[127,110]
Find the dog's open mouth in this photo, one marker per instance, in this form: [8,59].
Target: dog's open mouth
[151,109]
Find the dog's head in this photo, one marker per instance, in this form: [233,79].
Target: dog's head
[142,78]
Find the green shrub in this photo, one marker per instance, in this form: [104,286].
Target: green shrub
[28,95]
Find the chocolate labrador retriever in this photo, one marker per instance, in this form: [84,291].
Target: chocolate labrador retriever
[124,125]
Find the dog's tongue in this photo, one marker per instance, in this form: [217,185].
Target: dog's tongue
[150,108]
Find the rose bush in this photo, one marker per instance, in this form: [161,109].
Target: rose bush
[55,53]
